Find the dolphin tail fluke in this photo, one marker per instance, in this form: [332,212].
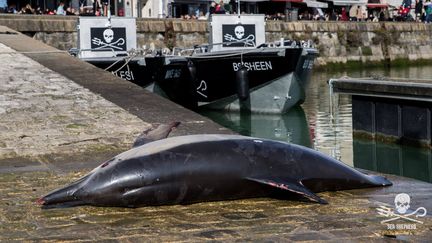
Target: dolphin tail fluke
[379,180]
[295,187]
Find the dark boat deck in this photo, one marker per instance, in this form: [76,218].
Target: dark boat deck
[350,215]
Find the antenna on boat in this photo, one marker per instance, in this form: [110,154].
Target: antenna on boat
[238,11]
[109,14]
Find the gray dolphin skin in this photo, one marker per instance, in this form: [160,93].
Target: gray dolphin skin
[198,168]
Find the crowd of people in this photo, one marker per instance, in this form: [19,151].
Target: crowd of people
[420,10]
[215,8]
[99,8]
[28,9]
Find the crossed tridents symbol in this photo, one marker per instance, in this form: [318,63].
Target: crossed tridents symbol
[402,204]
[248,40]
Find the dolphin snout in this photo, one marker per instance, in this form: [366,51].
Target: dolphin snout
[40,201]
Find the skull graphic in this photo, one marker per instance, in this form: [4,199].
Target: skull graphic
[108,35]
[402,202]
[239,32]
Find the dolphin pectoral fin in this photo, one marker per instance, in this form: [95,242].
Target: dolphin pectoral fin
[293,186]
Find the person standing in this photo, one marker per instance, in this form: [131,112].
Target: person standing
[418,10]
[428,10]
[3,6]
[97,5]
[353,13]
[212,9]
[105,4]
[360,13]
[344,16]
[60,9]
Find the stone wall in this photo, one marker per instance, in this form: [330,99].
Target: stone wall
[338,42]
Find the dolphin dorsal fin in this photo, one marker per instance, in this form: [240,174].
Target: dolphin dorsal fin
[292,186]
[156,132]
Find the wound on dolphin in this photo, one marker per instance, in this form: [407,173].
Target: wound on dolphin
[199,168]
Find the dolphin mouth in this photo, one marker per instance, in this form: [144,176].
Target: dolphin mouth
[40,201]
[46,204]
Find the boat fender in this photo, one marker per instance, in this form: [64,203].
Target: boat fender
[242,81]
[192,71]
[192,85]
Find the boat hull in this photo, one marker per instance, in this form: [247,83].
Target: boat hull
[277,78]
[276,96]
[138,70]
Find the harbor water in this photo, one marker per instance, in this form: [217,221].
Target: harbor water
[328,128]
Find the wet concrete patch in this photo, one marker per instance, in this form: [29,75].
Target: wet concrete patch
[252,219]
[18,164]
[215,234]
[244,216]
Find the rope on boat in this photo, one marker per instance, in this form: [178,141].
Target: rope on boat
[133,53]
[114,63]
[127,59]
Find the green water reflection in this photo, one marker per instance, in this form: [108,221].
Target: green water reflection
[393,159]
[313,125]
[290,127]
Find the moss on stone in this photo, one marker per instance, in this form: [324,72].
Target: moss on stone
[341,37]
[389,139]
[353,39]
[350,65]
[403,62]
[366,51]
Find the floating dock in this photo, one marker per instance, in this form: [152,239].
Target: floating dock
[396,110]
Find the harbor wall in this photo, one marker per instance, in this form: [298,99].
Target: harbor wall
[349,43]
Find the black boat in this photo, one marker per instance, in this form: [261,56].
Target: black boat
[138,68]
[267,79]
[237,72]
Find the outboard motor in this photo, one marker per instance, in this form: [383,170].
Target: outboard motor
[242,81]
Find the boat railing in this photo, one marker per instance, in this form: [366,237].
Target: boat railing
[204,48]
[133,52]
[77,52]
[197,49]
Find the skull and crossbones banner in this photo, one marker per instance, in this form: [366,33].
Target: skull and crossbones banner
[106,39]
[236,35]
[99,38]
[233,32]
